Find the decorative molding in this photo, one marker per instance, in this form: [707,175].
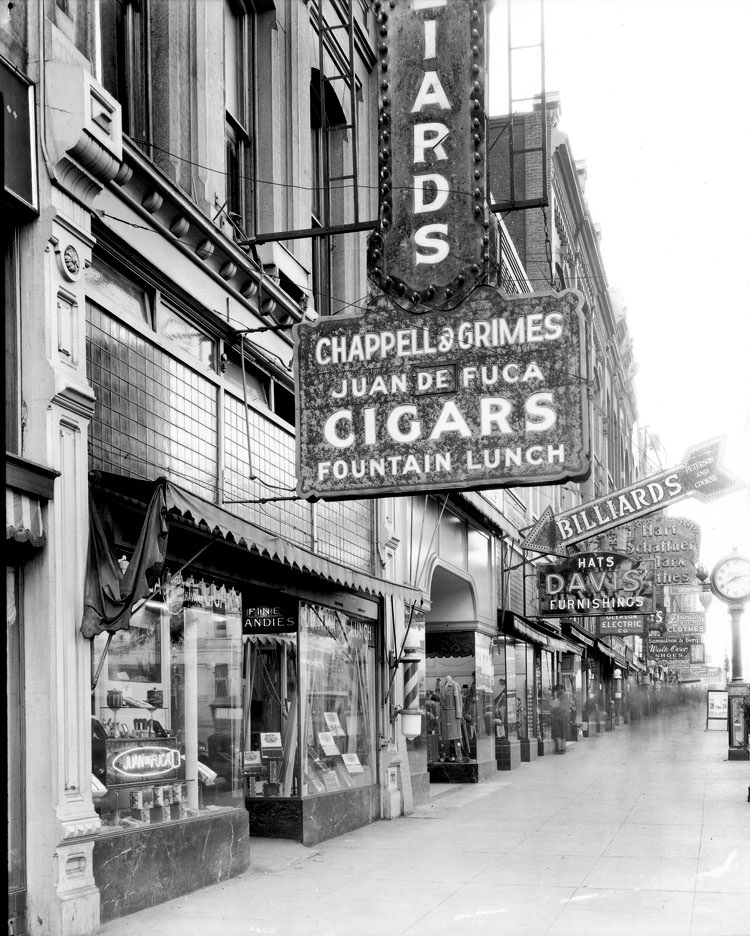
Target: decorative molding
[86,128]
[74,828]
[76,400]
[152,202]
[180,226]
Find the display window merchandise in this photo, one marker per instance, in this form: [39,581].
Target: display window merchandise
[459,702]
[309,702]
[167,708]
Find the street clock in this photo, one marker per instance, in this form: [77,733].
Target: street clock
[730,579]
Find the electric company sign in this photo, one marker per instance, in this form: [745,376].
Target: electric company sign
[443,383]
[596,584]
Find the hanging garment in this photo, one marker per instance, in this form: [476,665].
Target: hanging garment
[450,711]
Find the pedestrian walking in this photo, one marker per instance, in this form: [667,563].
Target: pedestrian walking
[560,713]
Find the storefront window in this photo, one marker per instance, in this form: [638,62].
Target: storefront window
[167,708]
[16,848]
[337,710]
[451,687]
[271,710]
[524,697]
[546,683]
[482,701]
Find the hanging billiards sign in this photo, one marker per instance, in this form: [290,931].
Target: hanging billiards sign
[444,382]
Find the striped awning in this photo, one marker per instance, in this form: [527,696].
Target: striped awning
[23,519]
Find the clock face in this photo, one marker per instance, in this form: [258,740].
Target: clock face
[731,578]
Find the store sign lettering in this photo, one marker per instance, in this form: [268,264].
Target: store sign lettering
[432,239]
[269,619]
[487,395]
[146,761]
[596,584]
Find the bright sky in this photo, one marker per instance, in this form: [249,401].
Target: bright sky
[653,98]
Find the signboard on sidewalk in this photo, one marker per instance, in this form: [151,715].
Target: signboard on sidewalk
[701,475]
[717,709]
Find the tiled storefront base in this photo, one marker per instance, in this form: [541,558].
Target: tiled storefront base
[508,754]
[314,819]
[142,867]
[529,750]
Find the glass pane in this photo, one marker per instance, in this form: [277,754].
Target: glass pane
[480,709]
[232,64]
[154,415]
[116,292]
[337,714]
[524,700]
[270,717]
[16,848]
[167,709]
[187,336]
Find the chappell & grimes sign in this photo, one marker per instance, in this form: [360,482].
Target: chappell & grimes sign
[490,394]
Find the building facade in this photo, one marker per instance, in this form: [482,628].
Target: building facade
[197,654]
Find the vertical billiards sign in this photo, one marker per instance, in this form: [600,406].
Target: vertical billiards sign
[444,382]
[432,243]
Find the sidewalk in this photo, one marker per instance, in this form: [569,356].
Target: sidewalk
[644,830]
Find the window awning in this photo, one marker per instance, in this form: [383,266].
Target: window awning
[576,633]
[23,519]
[521,627]
[563,646]
[612,654]
[188,509]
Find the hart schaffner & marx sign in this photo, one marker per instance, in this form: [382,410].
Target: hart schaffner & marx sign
[443,382]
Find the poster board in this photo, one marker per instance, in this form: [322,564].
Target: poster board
[717,709]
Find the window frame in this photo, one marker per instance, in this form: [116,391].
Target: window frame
[129,34]
[239,128]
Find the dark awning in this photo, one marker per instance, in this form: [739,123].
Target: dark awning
[577,633]
[606,650]
[518,626]
[188,509]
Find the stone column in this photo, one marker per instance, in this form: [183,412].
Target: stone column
[80,151]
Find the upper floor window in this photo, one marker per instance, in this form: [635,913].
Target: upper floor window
[326,115]
[238,100]
[123,61]
[12,339]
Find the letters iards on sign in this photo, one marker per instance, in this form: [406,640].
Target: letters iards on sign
[433,239]
[489,395]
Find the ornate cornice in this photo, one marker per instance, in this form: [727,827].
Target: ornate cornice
[85,132]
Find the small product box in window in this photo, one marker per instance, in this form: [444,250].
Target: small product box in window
[136,799]
[158,796]
[270,745]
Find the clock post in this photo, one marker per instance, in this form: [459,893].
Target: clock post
[730,581]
